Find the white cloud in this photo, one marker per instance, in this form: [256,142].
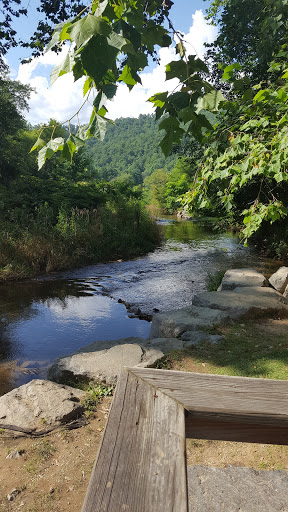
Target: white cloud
[64,98]
[199,33]
[59,101]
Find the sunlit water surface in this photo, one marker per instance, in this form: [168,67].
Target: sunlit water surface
[53,316]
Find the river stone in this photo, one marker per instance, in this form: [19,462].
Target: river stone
[103,361]
[279,280]
[194,337]
[236,489]
[241,277]
[174,323]
[243,301]
[40,403]
[285,293]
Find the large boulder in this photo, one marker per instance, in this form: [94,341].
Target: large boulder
[236,489]
[241,277]
[243,300]
[40,403]
[174,323]
[102,361]
[279,280]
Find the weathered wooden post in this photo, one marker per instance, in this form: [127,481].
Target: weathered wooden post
[141,463]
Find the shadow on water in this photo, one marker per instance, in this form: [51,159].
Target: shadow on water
[50,317]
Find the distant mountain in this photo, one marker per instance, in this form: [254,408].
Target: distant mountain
[130,150]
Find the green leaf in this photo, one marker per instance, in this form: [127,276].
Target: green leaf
[78,70]
[155,35]
[120,43]
[87,85]
[138,61]
[64,67]
[78,142]
[180,48]
[97,57]
[129,77]
[83,30]
[210,101]
[282,95]
[98,9]
[177,69]
[229,71]
[38,144]
[97,128]
[128,32]
[179,100]
[173,135]
[195,65]
[48,151]
[107,93]
[248,95]
[260,96]
[56,35]
[187,114]
[68,151]
[159,99]
[252,123]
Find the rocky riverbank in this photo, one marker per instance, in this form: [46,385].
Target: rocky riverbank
[52,473]
[243,293]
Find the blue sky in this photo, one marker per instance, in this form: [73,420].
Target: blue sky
[64,97]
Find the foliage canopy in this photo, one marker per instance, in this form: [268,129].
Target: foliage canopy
[244,169]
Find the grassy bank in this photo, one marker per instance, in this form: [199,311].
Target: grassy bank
[256,347]
[46,240]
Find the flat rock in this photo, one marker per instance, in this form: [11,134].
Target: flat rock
[236,489]
[40,403]
[243,300]
[241,277]
[174,323]
[167,344]
[103,361]
[279,280]
[195,337]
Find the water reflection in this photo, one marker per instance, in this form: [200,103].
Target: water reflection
[49,317]
[43,320]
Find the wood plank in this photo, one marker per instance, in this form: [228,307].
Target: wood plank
[141,464]
[209,428]
[253,400]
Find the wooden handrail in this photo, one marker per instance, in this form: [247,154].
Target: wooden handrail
[141,463]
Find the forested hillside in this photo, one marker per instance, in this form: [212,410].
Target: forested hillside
[233,164]
[61,215]
[130,151]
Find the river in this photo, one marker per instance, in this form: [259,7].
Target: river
[55,315]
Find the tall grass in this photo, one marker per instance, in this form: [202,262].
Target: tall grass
[45,241]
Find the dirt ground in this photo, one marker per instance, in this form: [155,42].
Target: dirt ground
[52,473]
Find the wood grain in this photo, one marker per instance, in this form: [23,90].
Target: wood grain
[216,394]
[141,464]
[209,428]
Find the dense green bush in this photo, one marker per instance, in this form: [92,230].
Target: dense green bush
[40,243]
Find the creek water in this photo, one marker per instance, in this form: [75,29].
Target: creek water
[48,317]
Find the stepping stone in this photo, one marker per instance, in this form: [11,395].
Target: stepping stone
[242,277]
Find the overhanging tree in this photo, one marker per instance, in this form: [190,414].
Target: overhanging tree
[110,42]
[14,98]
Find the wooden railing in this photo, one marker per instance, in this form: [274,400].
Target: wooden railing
[141,463]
